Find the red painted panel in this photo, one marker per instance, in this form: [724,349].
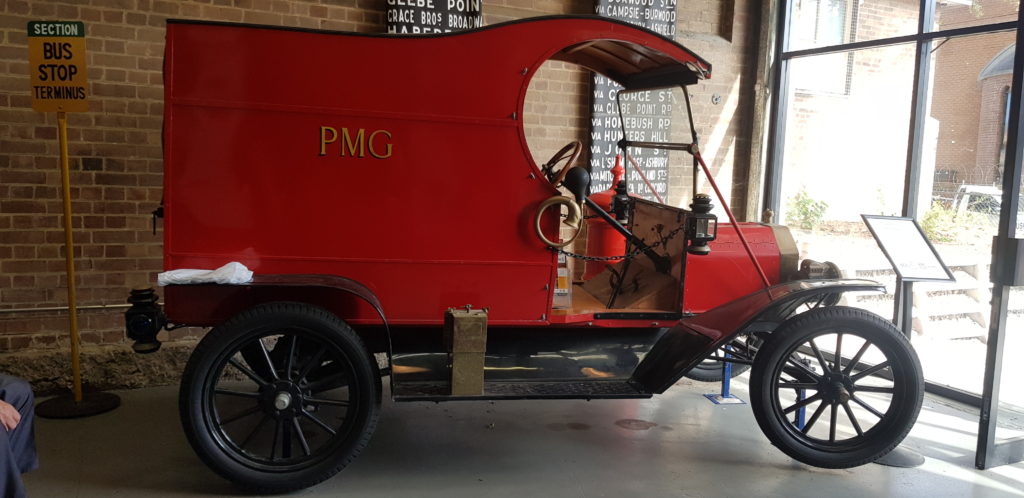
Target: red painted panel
[727,273]
[431,206]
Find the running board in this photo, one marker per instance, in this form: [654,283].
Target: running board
[595,389]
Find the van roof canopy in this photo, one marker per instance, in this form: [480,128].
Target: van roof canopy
[633,56]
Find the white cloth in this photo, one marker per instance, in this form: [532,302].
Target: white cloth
[231,273]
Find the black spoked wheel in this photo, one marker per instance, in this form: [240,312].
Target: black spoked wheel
[710,370]
[829,412]
[280,397]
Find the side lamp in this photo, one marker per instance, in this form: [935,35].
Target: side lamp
[701,226]
[144,320]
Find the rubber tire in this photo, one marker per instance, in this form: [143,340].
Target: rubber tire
[887,433]
[254,322]
[711,371]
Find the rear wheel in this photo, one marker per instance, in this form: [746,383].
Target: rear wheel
[711,371]
[743,347]
[280,397]
[828,412]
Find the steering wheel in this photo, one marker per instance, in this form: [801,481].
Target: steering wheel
[570,153]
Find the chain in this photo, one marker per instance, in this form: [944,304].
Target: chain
[630,255]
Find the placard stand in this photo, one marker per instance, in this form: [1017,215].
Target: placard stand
[914,259]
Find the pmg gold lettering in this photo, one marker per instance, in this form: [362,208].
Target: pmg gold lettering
[355,142]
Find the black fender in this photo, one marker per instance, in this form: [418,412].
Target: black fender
[685,345]
[332,282]
[208,305]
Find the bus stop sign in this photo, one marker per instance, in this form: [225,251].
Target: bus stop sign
[56,58]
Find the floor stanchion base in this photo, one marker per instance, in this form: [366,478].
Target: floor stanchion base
[902,458]
[728,399]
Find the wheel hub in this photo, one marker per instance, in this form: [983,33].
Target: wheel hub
[840,393]
[836,388]
[281,399]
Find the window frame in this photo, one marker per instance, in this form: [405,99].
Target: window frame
[989,453]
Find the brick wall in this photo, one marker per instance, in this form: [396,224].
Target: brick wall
[117,169]
[991,124]
[968,112]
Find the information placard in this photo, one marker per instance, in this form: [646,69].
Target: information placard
[56,61]
[905,245]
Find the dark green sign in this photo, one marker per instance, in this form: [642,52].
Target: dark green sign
[56,28]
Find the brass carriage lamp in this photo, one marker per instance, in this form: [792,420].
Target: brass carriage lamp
[701,226]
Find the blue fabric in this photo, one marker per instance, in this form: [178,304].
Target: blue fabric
[18,449]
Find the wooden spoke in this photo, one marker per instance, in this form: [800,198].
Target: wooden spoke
[321,401]
[241,394]
[286,440]
[821,359]
[853,419]
[868,407]
[240,415]
[290,362]
[814,417]
[837,359]
[865,373]
[802,403]
[832,424]
[875,389]
[856,358]
[313,362]
[277,433]
[319,422]
[799,385]
[802,368]
[301,436]
[266,357]
[326,382]
[247,371]
[255,430]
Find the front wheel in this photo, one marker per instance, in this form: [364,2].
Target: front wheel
[828,411]
[280,397]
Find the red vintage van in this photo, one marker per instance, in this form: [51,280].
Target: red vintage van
[381,190]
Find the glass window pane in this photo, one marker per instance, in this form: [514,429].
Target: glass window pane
[952,14]
[845,155]
[959,210]
[1019,229]
[821,23]
[1010,420]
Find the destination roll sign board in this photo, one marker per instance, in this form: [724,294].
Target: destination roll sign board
[432,16]
[648,114]
[56,59]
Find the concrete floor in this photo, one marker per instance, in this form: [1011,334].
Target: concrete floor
[677,444]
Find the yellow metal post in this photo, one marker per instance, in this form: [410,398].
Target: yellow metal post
[69,256]
[73,88]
